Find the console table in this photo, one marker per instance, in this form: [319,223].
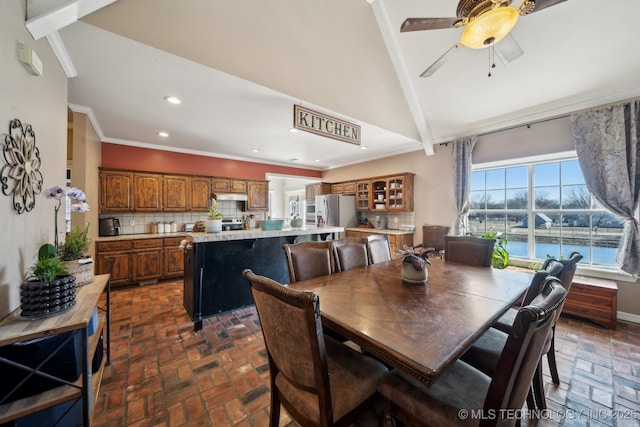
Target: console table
[14,329]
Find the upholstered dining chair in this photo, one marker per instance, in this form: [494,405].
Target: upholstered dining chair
[350,253]
[318,380]
[469,250]
[378,248]
[485,352]
[462,389]
[306,260]
[433,237]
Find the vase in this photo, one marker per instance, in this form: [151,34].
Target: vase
[413,276]
[213,226]
[82,271]
[44,299]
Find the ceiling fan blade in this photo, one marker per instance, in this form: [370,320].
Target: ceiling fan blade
[538,5]
[508,49]
[421,24]
[441,61]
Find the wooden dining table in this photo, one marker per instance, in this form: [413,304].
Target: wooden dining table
[420,329]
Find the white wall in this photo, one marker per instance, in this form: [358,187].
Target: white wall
[42,103]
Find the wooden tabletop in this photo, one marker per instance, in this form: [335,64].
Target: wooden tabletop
[14,328]
[420,329]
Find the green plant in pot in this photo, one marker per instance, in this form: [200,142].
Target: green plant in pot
[214,218]
[50,289]
[73,254]
[48,266]
[75,245]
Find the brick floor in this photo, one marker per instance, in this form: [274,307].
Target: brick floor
[165,374]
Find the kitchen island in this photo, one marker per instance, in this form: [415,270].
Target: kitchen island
[213,265]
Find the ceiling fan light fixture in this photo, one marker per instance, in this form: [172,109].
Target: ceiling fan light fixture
[490,27]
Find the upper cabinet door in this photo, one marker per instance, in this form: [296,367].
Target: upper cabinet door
[116,191]
[199,194]
[175,193]
[147,192]
[258,195]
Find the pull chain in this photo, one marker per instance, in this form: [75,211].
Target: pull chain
[492,63]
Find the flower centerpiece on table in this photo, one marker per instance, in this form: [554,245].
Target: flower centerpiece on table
[414,263]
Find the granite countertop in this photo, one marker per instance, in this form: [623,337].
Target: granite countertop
[254,233]
[378,230]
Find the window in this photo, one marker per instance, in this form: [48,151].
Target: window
[543,209]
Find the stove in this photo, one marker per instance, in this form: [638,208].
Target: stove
[231,224]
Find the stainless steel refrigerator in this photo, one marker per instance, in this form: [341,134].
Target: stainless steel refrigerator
[336,210]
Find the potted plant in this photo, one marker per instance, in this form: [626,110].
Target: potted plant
[414,264]
[50,289]
[72,253]
[214,219]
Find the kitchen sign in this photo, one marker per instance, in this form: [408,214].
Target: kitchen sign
[323,125]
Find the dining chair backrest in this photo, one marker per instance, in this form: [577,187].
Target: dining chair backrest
[378,248]
[350,253]
[469,250]
[569,268]
[538,280]
[433,236]
[306,260]
[524,346]
[302,359]
[292,330]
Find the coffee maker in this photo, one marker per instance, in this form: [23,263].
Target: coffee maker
[109,226]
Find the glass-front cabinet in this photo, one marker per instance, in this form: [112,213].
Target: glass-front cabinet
[386,193]
[363,195]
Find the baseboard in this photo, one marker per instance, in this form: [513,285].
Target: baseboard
[628,317]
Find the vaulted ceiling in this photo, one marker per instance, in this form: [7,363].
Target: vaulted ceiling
[240,66]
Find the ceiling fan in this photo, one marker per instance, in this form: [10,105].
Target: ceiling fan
[486,23]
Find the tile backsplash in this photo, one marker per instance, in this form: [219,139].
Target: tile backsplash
[394,220]
[140,223]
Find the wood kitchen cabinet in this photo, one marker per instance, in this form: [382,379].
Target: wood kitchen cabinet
[258,195]
[343,188]
[137,260]
[147,259]
[173,257]
[229,185]
[363,195]
[114,257]
[316,189]
[147,192]
[116,191]
[199,193]
[175,193]
[392,193]
[396,240]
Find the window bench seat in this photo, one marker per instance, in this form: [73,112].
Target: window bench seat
[593,299]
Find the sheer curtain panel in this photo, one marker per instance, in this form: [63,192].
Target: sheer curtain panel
[461,152]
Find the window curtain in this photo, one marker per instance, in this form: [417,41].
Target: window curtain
[607,141]
[461,153]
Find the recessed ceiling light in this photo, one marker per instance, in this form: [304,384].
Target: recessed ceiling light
[316,160]
[255,150]
[172,100]
[163,134]
[293,130]
[363,147]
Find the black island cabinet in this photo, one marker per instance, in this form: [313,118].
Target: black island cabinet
[213,265]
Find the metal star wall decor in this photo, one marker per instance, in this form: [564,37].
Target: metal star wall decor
[21,176]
